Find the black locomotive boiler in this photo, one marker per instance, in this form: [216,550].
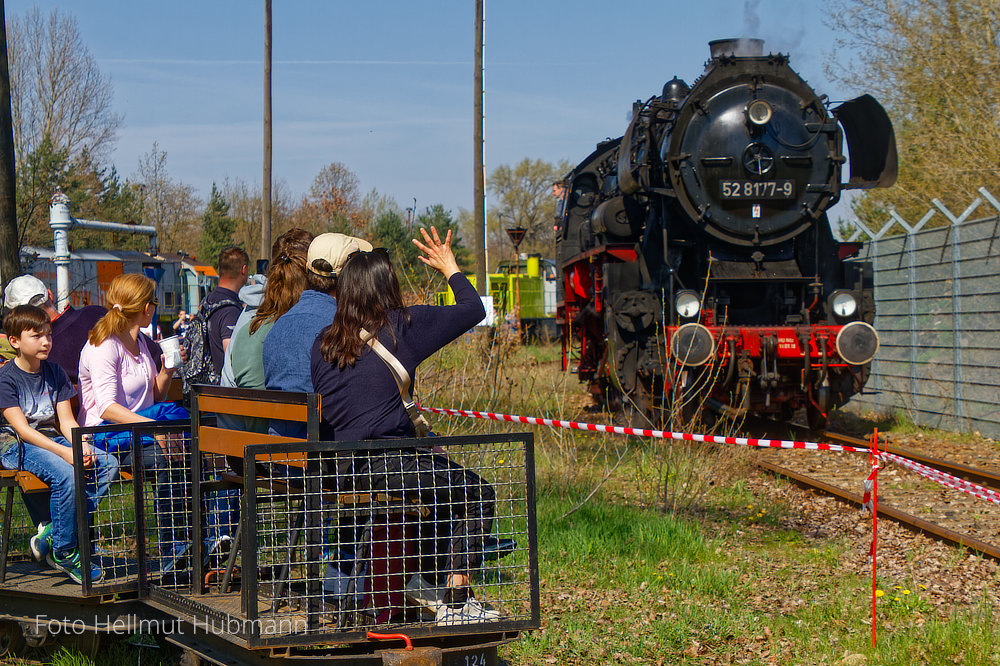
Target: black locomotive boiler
[698,264]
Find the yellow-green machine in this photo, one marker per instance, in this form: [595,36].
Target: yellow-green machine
[524,295]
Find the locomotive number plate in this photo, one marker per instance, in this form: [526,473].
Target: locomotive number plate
[757,189]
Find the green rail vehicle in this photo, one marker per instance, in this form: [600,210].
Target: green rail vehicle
[524,296]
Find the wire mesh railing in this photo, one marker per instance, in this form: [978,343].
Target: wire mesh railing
[338,539]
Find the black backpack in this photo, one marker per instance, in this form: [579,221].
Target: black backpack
[199,369]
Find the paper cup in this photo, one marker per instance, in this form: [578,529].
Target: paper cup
[171,351]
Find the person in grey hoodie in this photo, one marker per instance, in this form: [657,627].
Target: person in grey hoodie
[251,295]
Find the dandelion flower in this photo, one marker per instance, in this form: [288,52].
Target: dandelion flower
[906,591]
[923,587]
[501,461]
[897,587]
[879,593]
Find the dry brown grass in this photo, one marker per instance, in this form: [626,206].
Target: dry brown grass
[493,372]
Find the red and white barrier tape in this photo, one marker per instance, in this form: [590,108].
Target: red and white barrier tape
[944,478]
[642,432]
[935,475]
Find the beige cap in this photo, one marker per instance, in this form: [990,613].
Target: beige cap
[22,289]
[335,249]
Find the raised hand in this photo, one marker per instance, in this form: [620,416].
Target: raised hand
[439,255]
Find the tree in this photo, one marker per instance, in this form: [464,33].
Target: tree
[10,263]
[57,90]
[245,207]
[523,197]
[216,227]
[39,175]
[933,65]
[436,216]
[170,207]
[375,204]
[95,193]
[393,233]
[333,203]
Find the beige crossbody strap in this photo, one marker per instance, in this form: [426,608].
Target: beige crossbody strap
[420,425]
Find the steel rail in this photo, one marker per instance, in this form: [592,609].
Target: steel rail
[907,520]
[983,477]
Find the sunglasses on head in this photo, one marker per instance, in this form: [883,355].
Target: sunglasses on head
[378,250]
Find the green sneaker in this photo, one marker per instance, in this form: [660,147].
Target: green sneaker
[69,563]
[41,543]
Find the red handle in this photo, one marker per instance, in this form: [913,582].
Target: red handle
[391,637]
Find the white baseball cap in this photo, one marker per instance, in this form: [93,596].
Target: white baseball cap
[23,289]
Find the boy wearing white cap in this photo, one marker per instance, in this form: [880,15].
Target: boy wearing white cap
[69,327]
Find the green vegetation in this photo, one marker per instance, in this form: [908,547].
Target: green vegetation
[626,584]
[718,579]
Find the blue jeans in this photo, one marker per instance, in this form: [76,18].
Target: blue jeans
[172,498]
[172,489]
[58,474]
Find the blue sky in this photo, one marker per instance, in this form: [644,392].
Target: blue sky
[386,86]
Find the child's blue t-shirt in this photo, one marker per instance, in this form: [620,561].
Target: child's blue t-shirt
[36,393]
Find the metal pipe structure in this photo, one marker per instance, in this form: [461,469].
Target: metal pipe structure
[61,222]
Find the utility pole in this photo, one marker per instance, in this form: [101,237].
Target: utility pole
[10,261]
[479,186]
[265,204]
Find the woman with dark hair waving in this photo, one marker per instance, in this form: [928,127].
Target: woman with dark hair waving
[361,401]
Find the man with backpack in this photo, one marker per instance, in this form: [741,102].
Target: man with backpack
[212,326]
[205,342]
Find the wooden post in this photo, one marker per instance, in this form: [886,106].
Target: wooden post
[265,204]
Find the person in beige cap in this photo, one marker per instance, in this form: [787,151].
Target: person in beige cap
[288,345]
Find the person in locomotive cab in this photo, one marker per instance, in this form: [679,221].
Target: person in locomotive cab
[35,398]
[361,400]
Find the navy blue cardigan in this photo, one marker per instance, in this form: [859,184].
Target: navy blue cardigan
[362,402]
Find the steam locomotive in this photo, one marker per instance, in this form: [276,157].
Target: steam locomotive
[698,265]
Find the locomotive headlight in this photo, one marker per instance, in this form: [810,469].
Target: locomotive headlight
[843,304]
[857,343]
[687,304]
[759,112]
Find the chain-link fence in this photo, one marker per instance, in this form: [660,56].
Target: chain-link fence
[937,302]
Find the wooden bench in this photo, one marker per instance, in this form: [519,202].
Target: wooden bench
[215,436]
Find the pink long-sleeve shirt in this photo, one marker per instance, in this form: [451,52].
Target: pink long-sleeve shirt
[109,373]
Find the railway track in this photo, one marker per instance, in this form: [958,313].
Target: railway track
[887,507]
[983,477]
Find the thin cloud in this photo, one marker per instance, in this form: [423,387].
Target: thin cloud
[187,61]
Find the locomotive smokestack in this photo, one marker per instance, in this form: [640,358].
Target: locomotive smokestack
[740,46]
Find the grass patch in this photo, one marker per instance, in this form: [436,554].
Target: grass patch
[717,579]
[626,584]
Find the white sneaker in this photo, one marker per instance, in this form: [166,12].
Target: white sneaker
[471,613]
[217,548]
[421,592]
